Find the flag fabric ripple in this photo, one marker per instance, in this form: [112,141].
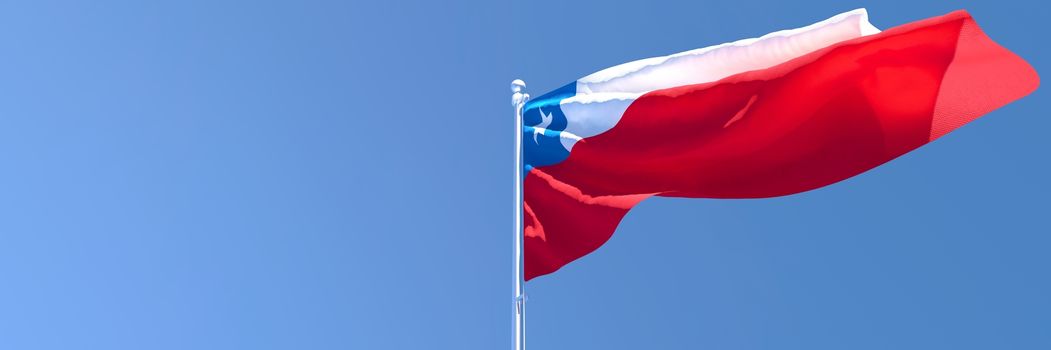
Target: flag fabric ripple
[788,112]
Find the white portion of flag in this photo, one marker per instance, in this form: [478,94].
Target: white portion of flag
[720,61]
[603,97]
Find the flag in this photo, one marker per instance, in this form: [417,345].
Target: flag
[784,113]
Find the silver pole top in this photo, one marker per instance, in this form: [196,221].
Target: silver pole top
[517,85]
[519,98]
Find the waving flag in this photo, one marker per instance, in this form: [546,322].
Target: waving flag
[785,113]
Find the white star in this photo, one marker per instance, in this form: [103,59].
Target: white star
[545,121]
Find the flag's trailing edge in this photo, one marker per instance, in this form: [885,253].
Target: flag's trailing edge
[785,113]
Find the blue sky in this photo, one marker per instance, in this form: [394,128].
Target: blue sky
[337,175]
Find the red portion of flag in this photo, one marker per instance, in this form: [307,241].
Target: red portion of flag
[810,122]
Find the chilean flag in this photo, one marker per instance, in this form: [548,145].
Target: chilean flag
[784,113]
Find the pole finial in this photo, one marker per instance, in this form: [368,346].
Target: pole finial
[519,98]
[517,85]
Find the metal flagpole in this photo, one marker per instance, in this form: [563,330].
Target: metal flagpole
[518,100]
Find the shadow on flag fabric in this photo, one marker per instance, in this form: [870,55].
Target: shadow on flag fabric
[788,112]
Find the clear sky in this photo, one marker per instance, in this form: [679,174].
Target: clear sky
[337,175]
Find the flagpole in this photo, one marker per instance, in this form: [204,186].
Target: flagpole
[518,100]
